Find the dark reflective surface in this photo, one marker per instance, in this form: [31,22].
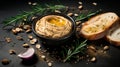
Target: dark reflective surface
[11,8]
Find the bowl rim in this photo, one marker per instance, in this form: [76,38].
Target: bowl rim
[59,14]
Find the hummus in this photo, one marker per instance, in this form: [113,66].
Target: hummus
[53,26]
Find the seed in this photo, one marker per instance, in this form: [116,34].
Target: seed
[80,7]
[30,36]
[14,31]
[18,30]
[83,23]
[93,59]
[94,3]
[28,31]
[8,40]
[57,11]
[70,14]
[80,3]
[43,56]
[49,64]
[33,17]
[92,47]
[29,3]
[75,14]
[19,37]
[21,25]
[38,46]
[5,61]
[24,19]
[11,51]
[33,41]
[77,23]
[34,4]
[106,47]
[25,45]
[26,27]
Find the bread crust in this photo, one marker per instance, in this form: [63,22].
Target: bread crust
[112,30]
[100,34]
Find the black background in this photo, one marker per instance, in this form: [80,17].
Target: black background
[10,8]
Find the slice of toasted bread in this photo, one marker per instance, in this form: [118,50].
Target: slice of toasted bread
[113,35]
[97,27]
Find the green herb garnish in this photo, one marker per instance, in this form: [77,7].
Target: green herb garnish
[88,15]
[76,50]
[35,9]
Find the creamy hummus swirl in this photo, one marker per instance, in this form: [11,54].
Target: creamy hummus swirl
[53,26]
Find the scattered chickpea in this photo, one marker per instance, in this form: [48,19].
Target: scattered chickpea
[19,37]
[49,64]
[34,4]
[21,25]
[33,41]
[57,11]
[28,30]
[25,45]
[70,14]
[80,7]
[80,3]
[106,47]
[26,27]
[77,23]
[14,31]
[75,14]
[18,29]
[29,3]
[11,51]
[5,61]
[43,56]
[30,36]
[93,59]
[92,47]
[33,17]
[8,40]
[24,19]
[94,3]
[38,46]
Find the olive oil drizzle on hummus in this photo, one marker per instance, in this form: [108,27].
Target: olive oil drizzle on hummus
[53,26]
[57,21]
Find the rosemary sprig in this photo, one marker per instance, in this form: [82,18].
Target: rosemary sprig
[36,9]
[76,50]
[84,16]
[16,18]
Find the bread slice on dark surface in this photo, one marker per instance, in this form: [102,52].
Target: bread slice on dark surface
[113,35]
[98,26]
